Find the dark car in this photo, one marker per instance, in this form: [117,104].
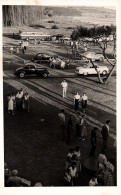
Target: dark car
[31,69]
[41,58]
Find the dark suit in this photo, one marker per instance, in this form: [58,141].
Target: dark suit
[104,133]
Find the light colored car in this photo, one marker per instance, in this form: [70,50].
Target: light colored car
[89,69]
[93,55]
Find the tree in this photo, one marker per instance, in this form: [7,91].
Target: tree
[102,36]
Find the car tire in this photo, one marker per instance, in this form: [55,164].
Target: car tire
[101,59]
[104,72]
[45,75]
[22,75]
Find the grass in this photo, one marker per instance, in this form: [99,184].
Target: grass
[32,146]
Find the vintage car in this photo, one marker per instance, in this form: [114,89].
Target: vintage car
[41,58]
[31,69]
[93,56]
[87,69]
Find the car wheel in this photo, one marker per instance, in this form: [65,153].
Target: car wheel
[101,59]
[104,72]
[45,75]
[21,75]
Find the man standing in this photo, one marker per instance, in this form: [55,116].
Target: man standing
[84,102]
[78,122]
[61,116]
[93,140]
[69,129]
[64,85]
[105,134]
[76,101]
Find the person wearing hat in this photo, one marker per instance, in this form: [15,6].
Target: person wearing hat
[93,140]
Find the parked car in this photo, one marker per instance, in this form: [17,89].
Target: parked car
[89,69]
[31,69]
[93,55]
[41,58]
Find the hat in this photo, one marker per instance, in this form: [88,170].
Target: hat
[14,172]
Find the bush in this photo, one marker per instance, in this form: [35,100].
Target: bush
[54,27]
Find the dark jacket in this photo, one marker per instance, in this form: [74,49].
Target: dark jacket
[104,132]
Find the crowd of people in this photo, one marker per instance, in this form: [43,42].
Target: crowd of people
[103,176]
[18,101]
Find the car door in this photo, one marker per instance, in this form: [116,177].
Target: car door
[32,69]
[27,69]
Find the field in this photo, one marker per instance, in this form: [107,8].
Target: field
[31,145]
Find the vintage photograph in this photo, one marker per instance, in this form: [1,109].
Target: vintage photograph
[59,96]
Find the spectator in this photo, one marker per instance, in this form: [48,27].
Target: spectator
[108,176]
[84,100]
[68,158]
[77,153]
[76,101]
[83,128]
[10,105]
[68,63]
[62,65]
[61,116]
[11,50]
[102,161]
[7,173]
[22,47]
[64,85]
[26,102]
[105,134]
[93,140]
[73,172]
[100,177]
[69,129]
[17,50]
[67,177]
[19,98]
[78,122]
[14,102]
[93,182]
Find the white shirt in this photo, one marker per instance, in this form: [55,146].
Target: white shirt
[77,97]
[62,118]
[73,171]
[62,64]
[84,97]
[107,127]
[64,84]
